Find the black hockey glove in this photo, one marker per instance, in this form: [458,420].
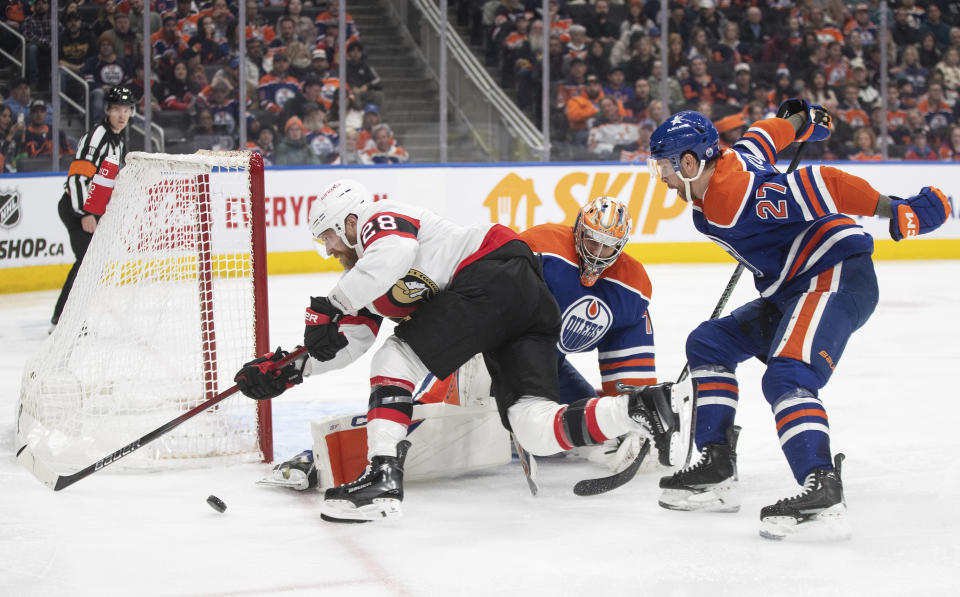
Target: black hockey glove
[322,335]
[817,124]
[263,378]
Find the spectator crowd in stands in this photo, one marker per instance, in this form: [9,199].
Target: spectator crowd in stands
[734,61]
[292,83]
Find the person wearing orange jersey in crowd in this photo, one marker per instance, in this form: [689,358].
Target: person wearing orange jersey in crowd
[371,118]
[330,19]
[865,145]
[581,109]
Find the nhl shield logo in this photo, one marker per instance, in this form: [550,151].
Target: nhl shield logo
[9,208]
[583,324]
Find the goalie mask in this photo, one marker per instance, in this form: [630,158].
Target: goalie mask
[336,202]
[600,233]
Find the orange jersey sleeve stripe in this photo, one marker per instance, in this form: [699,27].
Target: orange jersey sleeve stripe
[808,412]
[780,130]
[852,194]
[704,387]
[630,363]
[763,144]
[811,193]
[814,241]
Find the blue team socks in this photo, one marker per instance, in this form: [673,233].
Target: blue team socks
[716,392]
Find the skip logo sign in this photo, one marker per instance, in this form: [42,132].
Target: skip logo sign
[311,317]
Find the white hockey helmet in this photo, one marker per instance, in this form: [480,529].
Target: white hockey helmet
[335,203]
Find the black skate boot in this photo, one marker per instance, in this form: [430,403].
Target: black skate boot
[376,494]
[818,511]
[298,473]
[710,484]
[653,407]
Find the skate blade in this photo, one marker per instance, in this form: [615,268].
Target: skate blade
[723,500]
[829,525]
[345,511]
[298,485]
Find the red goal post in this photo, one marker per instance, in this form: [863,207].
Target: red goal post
[170,301]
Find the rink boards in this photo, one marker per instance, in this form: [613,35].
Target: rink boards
[35,252]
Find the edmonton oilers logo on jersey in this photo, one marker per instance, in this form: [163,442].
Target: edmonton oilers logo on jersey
[584,323]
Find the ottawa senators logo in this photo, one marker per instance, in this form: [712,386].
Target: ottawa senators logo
[405,296]
[413,288]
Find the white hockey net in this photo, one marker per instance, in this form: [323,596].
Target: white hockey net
[160,318]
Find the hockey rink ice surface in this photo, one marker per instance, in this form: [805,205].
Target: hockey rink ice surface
[893,407]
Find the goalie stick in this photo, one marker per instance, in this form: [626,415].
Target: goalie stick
[56,481]
[727,292]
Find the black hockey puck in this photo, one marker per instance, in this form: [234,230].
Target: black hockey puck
[216,503]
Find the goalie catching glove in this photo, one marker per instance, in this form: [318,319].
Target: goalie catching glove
[817,123]
[322,336]
[263,378]
[919,214]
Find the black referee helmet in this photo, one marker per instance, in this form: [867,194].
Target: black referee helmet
[121,95]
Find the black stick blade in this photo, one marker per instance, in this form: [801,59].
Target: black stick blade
[605,484]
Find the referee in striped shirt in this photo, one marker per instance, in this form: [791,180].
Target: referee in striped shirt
[102,140]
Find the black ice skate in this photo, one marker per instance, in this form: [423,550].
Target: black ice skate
[375,495]
[297,473]
[818,511]
[654,408]
[708,485]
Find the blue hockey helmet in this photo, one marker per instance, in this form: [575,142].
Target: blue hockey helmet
[684,132]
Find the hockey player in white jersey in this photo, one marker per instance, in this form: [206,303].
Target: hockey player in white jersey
[456,292]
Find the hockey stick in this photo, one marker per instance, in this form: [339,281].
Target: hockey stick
[528,464]
[727,292]
[56,481]
[604,484]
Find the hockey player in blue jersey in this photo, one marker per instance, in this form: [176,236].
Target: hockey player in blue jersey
[812,267]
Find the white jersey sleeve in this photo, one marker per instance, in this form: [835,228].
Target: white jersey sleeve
[380,267]
[406,256]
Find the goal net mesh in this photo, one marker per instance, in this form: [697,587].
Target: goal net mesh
[160,318]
